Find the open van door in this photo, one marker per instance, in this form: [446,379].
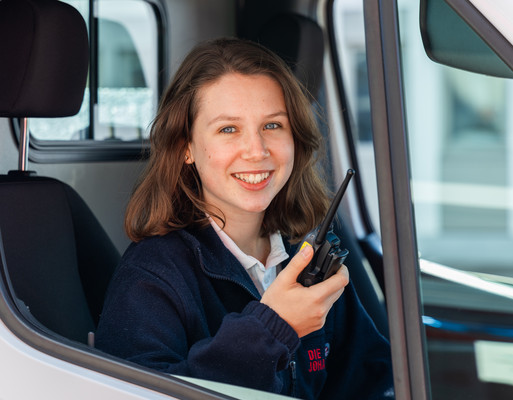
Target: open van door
[443,140]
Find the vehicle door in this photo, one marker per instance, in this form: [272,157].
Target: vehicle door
[442,140]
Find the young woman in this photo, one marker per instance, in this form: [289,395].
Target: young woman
[208,288]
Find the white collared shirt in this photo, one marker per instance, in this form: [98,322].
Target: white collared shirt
[262,276]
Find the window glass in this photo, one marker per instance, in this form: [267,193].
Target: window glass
[461,142]
[460,129]
[461,155]
[461,146]
[122,91]
[350,41]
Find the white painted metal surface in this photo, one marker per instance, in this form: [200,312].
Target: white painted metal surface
[26,373]
[499,13]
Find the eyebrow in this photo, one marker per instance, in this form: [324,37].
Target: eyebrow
[225,117]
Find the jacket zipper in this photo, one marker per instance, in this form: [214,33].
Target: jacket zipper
[293,373]
[224,278]
[292,363]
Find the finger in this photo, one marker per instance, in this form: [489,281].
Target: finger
[343,271]
[333,292]
[335,282]
[297,264]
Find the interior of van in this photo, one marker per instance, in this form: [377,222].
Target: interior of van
[80,83]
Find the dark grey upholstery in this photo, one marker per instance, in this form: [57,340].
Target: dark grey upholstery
[299,41]
[56,254]
[45,53]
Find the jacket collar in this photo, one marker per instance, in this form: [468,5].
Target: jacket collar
[215,259]
[218,262]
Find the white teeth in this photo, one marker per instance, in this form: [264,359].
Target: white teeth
[253,178]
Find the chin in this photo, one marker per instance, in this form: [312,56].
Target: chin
[257,208]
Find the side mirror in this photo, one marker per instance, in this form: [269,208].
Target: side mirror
[449,40]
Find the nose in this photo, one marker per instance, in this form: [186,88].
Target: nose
[255,147]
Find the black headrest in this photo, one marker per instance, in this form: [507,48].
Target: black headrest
[45,54]
[299,41]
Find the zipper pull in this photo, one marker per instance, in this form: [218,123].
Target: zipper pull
[292,366]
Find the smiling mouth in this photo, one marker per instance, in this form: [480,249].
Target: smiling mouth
[253,178]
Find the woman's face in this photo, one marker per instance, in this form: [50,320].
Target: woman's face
[242,143]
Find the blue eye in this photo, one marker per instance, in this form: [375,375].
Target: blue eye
[228,129]
[272,125]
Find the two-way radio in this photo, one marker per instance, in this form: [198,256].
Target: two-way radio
[328,257]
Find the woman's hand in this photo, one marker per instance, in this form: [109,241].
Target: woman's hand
[304,308]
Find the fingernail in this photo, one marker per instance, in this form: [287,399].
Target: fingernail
[306,249]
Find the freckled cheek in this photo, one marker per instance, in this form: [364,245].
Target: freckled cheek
[211,163]
[290,157]
[283,151]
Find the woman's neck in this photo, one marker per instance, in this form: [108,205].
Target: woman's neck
[245,232]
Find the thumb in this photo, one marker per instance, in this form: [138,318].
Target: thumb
[297,264]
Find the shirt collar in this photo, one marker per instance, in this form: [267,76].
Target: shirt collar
[276,255]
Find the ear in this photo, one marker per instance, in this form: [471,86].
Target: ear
[188,155]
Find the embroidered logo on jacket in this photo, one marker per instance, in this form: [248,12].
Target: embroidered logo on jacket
[317,359]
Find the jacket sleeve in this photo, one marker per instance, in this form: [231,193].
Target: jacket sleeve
[150,322]
[360,365]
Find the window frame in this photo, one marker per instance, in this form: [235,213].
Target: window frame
[392,163]
[90,150]
[401,264]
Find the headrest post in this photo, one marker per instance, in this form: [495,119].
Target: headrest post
[24,145]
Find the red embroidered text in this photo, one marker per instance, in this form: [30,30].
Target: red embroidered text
[317,362]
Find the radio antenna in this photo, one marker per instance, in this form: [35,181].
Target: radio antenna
[323,230]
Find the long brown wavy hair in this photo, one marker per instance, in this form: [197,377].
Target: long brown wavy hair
[168,195]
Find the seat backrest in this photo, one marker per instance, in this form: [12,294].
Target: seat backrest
[56,255]
[300,42]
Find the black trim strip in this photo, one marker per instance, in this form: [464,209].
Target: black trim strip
[373,253]
[74,151]
[93,67]
[395,204]
[347,116]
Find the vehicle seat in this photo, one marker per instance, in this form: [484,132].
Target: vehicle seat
[299,40]
[56,257]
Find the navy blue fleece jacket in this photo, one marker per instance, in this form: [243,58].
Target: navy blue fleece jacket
[183,304]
